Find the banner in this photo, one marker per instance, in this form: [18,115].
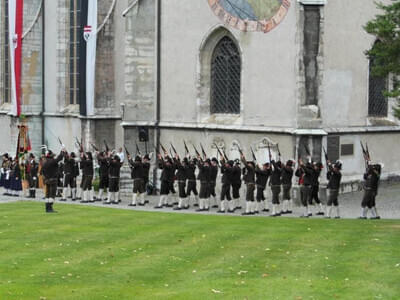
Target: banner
[15,23]
[90,36]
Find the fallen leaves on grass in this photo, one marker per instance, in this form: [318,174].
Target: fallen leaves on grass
[216,291]
[66,262]
[242,272]
[397,265]
[265,275]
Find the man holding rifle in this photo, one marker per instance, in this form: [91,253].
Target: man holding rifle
[137,174]
[249,179]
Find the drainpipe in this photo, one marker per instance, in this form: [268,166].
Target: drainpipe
[158,83]
[43,69]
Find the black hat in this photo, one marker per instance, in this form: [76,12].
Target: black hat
[251,162]
[185,160]
[208,161]
[50,153]
[73,154]
[230,162]
[266,165]
[214,160]
[146,157]
[289,163]
[31,155]
[138,158]
[116,157]
[338,165]
[237,161]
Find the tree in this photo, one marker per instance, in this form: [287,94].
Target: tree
[386,53]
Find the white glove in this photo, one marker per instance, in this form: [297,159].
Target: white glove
[34,178]
[2,170]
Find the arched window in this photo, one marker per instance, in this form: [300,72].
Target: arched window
[377,102]
[225,78]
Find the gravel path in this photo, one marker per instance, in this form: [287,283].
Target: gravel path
[388,204]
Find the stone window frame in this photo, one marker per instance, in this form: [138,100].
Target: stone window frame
[203,85]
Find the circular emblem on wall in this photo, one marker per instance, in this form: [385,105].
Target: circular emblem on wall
[251,15]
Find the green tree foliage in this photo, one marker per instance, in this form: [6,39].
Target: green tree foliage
[386,53]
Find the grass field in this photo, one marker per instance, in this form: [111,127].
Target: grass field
[104,253]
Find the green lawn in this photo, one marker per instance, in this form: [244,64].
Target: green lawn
[104,253]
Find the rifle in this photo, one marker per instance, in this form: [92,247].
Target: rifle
[269,152]
[279,151]
[137,149]
[163,149]
[79,144]
[170,152]
[173,148]
[203,152]
[365,154]
[219,151]
[105,144]
[252,153]
[195,150]
[127,152]
[59,140]
[225,156]
[186,148]
[366,149]
[240,150]
[94,147]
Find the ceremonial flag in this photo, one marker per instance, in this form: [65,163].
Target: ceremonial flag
[88,56]
[15,23]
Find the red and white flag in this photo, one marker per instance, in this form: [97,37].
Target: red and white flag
[15,24]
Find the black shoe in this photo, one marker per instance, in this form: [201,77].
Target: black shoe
[199,209]
[47,207]
[131,204]
[187,207]
[289,212]
[79,198]
[141,204]
[146,201]
[337,217]
[195,205]
[51,210]
[276,215]
[84,201]
[91,201]
[107,203]
[158,206]
[231,211]
[169,205]
[362,218]
[220,211]
[63,200]
[246,214]
[326,217]
[320,213]
[115,202]
[175,203]
[266,210]
[177,208]
[304,216]
[238,207]
[375,218]
[310,214]
[73,199]
[256,212]
[215,206]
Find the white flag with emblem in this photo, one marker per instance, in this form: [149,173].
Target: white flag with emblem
[90,36]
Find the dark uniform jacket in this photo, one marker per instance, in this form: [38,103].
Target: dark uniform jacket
[334,178]
[146,171]
[87,167]
[262,177]
[103,166]
[204,172]
[168,171]
[236,175]
[305,174]
[115,166]
[315,177]
[32,168]
[226,174]
[213,173]
[287,175]
[181,171]
[70,166]
[136,169]
[371,181]
[50,167]
[191,171]
[275,175]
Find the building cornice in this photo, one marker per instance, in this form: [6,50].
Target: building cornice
[312,2]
